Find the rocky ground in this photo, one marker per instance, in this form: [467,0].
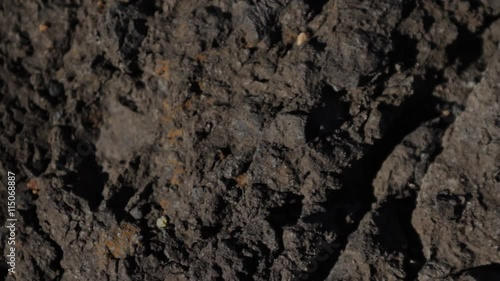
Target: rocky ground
[252,140]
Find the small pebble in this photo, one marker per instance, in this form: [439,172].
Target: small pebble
[302,38]
[161,222]
[136,213]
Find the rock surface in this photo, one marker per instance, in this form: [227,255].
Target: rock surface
[368,150]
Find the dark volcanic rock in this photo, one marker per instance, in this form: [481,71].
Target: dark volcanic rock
[366,150]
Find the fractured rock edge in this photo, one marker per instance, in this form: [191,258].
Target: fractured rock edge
[457,215]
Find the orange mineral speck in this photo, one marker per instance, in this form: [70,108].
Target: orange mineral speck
[242,180]
[174,135]
[201,57]
[123,240]
[43,27]
[33,185]
[163,204]
[162,69]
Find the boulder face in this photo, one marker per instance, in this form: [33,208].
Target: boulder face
[251,140]
[457,215]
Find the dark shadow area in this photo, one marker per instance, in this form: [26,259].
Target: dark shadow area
[466,49]
[397,233]
[89,181]
[327,116]
[119,201]
[356,196]
[288,213]
[316,6]
[87,178]
[490,272]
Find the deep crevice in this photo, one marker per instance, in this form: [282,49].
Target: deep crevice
[400,210]
[288,213]
[316,6]
[357,187]
[466,49]
[89,180]
[327,116]
[489,272]
[128,103]
[31,219]
[147,233]
[119,201]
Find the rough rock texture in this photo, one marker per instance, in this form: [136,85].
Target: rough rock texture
[370,151]
[457,215]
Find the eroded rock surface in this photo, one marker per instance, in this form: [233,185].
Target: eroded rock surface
[369,151]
